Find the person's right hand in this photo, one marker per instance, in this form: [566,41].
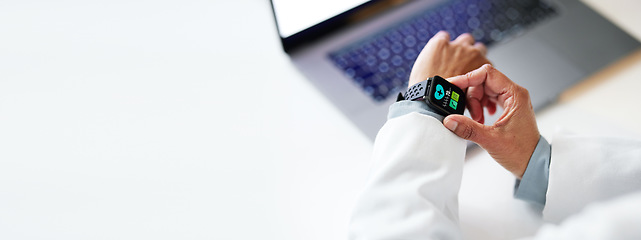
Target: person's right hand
[513,137]
[446,58]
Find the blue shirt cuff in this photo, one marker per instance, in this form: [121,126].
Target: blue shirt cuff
[534,184]
[401,108]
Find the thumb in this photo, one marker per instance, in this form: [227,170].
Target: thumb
[466,128]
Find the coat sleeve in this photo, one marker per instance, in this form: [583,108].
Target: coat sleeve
[412,190]
[586,170]
[614,219]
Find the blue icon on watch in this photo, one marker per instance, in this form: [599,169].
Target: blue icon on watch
[439,93]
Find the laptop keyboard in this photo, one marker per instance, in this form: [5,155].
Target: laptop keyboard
[381,64]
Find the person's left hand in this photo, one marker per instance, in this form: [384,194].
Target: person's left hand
[446,58]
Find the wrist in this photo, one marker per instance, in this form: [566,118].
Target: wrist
[410,84]
[527,157]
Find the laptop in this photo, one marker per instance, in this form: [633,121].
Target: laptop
[359,53]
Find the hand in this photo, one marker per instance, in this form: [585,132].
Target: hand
[513,137]
[447,59]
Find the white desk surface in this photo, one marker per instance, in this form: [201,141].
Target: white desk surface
[185,120]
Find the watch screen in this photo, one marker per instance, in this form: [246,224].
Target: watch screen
[447,97]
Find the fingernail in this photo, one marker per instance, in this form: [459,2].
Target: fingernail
[451,125]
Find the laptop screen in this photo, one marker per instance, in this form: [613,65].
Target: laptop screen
[303,21]
[294,16]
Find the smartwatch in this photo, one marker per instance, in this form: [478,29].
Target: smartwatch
[441,95]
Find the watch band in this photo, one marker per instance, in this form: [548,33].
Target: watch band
[418,91]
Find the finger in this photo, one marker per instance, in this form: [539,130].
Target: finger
[495,84]
[440,36]
[475,105]
[476,108]
[471,79]
[499,87]
[481,47]
[489,105]
[467,128]
[464,38]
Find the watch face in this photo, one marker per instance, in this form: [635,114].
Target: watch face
[446,97]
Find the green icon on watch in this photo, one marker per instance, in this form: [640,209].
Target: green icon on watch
[453,103]
[455,96]
[454,100]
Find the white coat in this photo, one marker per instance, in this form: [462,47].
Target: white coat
[594,189]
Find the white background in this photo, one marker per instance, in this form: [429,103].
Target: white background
[185,120]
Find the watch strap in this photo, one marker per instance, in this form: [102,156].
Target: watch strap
[418,91]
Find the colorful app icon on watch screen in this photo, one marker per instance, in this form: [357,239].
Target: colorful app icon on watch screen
[440,92]
[453,104]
